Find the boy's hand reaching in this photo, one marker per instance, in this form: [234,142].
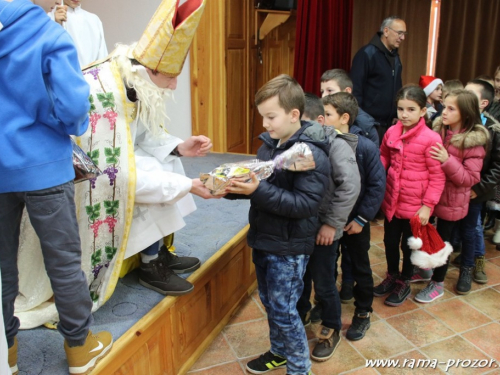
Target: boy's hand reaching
[245,188]
[353,228]
[61,14]
[198,145]
[325,235]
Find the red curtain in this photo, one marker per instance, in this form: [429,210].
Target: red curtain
[323,40]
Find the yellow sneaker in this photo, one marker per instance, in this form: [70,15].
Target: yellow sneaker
[82,359]
[13,358]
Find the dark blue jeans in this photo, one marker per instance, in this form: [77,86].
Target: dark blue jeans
[322,269]
[279,278]
[152,249]
[52,213]
[471,241]
[480,248]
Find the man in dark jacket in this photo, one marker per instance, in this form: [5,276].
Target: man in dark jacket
[376,73]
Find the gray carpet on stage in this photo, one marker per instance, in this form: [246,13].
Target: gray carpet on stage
[212,225]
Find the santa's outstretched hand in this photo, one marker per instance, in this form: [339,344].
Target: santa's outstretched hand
[197,145]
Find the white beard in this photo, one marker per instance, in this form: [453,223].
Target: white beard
[152,111]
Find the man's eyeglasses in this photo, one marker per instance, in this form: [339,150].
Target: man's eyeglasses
[400,33]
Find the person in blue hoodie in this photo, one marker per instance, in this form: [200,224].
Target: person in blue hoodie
[44,100]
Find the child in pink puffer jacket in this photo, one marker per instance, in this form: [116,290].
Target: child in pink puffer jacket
[461,156]
[415,182]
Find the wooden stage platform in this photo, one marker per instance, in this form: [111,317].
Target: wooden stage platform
[174,334]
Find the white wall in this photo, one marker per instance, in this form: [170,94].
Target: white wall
[124,22]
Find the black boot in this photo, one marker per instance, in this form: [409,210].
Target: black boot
[359,326]
[386,286]
[315,313]
[400,293]
[178,264]
[346,292]
[464,280]
[490,221]
[157,276]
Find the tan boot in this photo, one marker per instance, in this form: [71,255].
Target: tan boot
[479,275]
[82,359]
[13,358]
[329,339]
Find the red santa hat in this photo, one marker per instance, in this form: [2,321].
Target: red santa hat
[429,250]
[429,84]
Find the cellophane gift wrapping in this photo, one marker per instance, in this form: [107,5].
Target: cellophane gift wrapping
[297,158]
[85,168]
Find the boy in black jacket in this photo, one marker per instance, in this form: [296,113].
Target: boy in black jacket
[340,111]
[283,224]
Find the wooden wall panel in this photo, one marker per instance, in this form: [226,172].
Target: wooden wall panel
[208,76]
[228,289]
[195,317]
[236,20]
[226,73]
[277,53]
[237,76]
[172,336]
[149,359]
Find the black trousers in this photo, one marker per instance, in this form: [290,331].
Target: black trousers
[354,249]
[445,229]
[396,233]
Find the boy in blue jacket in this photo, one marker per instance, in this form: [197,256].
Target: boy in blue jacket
[337,80]
[44,99]
[333,214]
[340,111]
[283,224]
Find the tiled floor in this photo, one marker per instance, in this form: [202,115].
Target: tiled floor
[451,328]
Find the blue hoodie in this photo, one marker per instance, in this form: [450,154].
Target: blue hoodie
[44,99]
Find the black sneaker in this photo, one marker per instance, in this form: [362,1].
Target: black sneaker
[265,363]
[157,276]
[464,280]
[178,264]
[315,313]
[385,286]
[400,293]
[329,339]
[346,292]
[359,326]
